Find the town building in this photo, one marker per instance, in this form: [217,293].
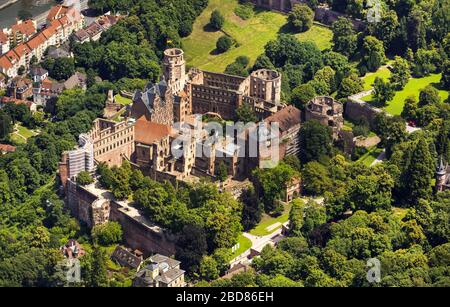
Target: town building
[20,88]
[6,148]
[72,250]
[161,271]
[4,42]
[62,21]
[94,30]
[21,31]
[128,257]
[38,74]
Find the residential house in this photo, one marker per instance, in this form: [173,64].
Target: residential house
[6,148]
[38,74]
[127,257]
[21,31]
[20,88]
[4,42]
[162,271]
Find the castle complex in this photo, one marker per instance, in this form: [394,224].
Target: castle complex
[164,135]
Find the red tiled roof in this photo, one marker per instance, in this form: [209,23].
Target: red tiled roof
[7,148]
[286,118]
[12,56]
[36,41]
[22,49]
[5,63]
[3,37]
[147,132]
[57,11]
[26,27]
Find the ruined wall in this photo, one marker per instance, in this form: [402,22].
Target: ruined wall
[139,236]
[355,110]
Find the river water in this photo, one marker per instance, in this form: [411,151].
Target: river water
[8,14]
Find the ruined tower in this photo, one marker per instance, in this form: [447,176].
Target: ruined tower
[174,69]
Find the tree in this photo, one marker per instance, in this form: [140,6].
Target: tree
[21,70]
[222,172]
[208,268]
[316,179]
[400,73]
[191,246]
[344,37]
[262,62]
[372,53]
[315,140]
[60,68]
[224,43]
[301,17]
[246,114]
[429,96]
[84,178]
[296,217]
[252,210]
[426,62]
[327,76]
[217,20]
[6,126]
[108,233]
[314,216]
[445,79]
[350,85]
[410,109]
[383,91]
[94,269]
[419,173]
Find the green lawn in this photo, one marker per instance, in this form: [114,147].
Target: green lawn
[266,221]
[21,134]
[370,156]
[122,100]
[244,244]
[251,35]
[412,88]
[319,34]
[384,73]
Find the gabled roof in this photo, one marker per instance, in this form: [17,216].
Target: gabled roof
[36,41]
[147,132]
[57,11]
[5,63]
[26,27]
[151,92]
[286,118]
[3,37]
[22,49]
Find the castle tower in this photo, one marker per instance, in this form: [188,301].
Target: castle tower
[265,84]
[174,69]
[441,172]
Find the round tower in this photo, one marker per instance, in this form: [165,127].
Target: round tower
[174,67]
[266,84]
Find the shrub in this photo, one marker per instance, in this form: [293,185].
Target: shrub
[245,10]
[108,233]
[217,20]
[224,43]
[84,178]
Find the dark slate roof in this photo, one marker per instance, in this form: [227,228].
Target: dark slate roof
[126,258]
[151,92]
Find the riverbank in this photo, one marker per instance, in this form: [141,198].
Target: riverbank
[7,3]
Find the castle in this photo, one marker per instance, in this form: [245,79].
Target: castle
[442,176]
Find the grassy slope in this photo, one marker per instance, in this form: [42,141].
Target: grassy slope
[244,244]
[370,156]
[412,88]
[252,35]
[266,221]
